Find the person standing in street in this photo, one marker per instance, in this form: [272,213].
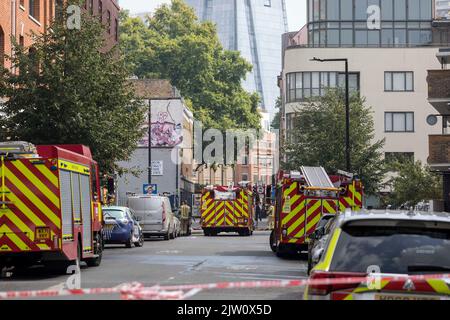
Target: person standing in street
[258,212]
[185,217]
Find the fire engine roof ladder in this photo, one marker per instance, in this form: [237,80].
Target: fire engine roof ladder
[317,177]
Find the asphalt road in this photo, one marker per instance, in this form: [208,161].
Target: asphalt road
[186,260]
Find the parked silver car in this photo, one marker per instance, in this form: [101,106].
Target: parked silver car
[154,214]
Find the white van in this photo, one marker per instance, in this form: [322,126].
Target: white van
[155,215]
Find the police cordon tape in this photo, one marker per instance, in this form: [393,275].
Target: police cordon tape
[137,291]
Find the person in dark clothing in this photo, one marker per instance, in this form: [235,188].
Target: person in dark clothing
[258,211]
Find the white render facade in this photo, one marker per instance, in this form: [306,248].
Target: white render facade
[403,133]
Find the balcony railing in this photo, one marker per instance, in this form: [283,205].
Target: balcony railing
[439,89]
[439,151]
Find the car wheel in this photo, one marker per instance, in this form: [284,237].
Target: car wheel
[140,243]
[129,242]
[273,243]
[95,262]
[167,236]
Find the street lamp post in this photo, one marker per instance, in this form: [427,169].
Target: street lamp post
[347,109]
[149,142]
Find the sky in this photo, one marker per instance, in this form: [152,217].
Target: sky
[296,10]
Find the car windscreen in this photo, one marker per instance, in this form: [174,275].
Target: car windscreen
[113,214]
[403,250]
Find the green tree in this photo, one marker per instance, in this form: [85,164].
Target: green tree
[318,138]
[69,90]
[413,182]
[276,119]
[173,44]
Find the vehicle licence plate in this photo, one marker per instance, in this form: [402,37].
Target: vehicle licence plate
[392,297]
[42,234]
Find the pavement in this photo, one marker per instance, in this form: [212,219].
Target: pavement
[186,260]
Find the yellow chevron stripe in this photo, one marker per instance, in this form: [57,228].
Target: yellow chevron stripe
[43,246]
[208,209]
[209,218]
[294,211]
[229,222]
[18,223]
[289,190]
[241,211]
[37,183]
[32,197]
[298,221]
[439,286]
[312,223]
[220,218]
[205,196]
[48,174]
[14,238]
[342,206]
[311,210]
[25,210]
[328,207]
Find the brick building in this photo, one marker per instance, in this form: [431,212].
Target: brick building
[19,18]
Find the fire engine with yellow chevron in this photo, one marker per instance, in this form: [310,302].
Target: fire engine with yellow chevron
[227,209]
[49,206]
[302,198]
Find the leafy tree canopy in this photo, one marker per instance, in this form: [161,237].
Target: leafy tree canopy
[67,90]
[412,183]
[318,138]
[173,44]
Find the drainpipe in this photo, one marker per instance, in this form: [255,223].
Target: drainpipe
[13,28]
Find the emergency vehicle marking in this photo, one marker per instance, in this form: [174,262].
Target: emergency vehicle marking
[33,201]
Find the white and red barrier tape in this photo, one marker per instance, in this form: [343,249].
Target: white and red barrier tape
[136,291]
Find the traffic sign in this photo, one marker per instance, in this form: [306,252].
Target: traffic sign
[150,189]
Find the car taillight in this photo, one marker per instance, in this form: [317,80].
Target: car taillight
[325,289]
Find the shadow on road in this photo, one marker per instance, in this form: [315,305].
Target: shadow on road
[33,273]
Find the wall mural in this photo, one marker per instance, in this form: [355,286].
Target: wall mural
[166,125]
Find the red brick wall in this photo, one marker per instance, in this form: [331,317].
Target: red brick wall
[109,8]
[24,24]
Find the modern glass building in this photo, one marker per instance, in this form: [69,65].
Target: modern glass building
[344,23]
[253,27]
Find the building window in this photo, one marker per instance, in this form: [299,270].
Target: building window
[245,177]
[108,20]
[399,121]
[268,3]
[398,81]
[22,3]
[116,31]
[401,157]
[403,23]
[303,85]
[34,9]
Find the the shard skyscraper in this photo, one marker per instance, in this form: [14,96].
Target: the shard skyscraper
[253,27]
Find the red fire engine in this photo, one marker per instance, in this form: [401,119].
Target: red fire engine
[301,200]
[226,209]
[49,207]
